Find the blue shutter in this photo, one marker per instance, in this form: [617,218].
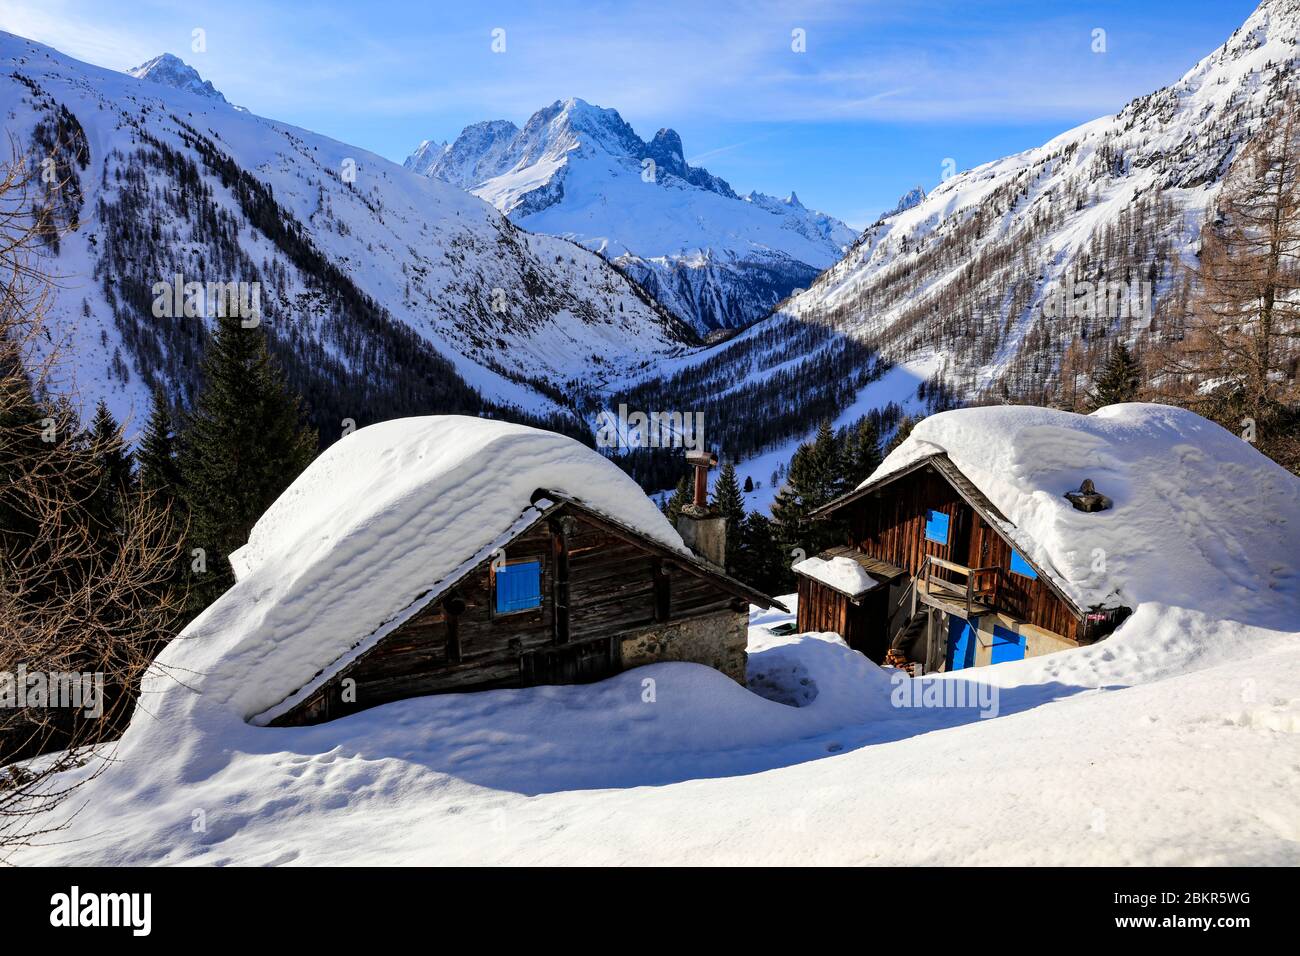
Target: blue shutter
[936,527]
[519,586]
[1020,566]
[961,644]
[1007,645]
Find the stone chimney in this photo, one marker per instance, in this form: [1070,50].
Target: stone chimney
[704,532]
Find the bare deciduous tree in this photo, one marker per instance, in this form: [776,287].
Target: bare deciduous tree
[80,593]
[1235,360]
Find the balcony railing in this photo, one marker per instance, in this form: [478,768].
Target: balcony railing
[978,591]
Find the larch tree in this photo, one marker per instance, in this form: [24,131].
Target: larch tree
[1235,360]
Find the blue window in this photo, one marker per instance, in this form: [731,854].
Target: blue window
[1020,566]
[519,586]
[936,527]
[1007,645]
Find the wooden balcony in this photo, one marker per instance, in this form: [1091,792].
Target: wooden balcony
[955,588]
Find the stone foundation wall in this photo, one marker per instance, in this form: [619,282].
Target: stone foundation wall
[716,640]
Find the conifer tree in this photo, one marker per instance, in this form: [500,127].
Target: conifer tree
[728,503]
[760,561]
[905,426]
[1117,381]
[862,454]
[113,478]
[244,443]
[677,500]
[827,467]
[159,472]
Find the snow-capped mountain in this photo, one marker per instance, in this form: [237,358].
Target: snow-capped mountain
[384,293]
[172,71]
[970,274]
[575,170]
[953,289]
[913,197]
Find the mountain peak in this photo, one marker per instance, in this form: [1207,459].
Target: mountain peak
[170,70]
[913,197]
[793,200]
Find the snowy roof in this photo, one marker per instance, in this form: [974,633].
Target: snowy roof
[1195,507]
[840,574]
[375,528]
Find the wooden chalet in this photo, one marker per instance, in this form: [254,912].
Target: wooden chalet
[944,587]
[574,596]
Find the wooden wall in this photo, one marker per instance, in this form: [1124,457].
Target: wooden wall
[864,626]
[613,585]
[890,525]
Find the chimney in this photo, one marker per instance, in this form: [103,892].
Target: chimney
[1087,498]
[703,532]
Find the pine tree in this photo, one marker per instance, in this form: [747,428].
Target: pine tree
[800,494]
[244,443]
[1117,381]
[760,561]
[677,500]
[728,503]
[826,468]
[113,476]
[159,473]
[862,455]
[749,484]
[905,426]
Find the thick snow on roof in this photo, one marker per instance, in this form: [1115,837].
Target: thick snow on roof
[842,574]
[1200,518]
[373,530]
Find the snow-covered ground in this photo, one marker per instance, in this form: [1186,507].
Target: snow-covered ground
[1176,741]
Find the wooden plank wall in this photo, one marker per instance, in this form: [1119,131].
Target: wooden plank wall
[890,525]
[611,590]
[863,626]
[1026,599]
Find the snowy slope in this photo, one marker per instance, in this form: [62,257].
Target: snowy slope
[962,274]
[1174,741]
[436,293]
[579,171]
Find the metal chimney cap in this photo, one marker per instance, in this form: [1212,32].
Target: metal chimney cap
[706,458]
[1087,498]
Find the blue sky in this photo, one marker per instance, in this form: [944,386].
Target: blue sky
[883,93]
